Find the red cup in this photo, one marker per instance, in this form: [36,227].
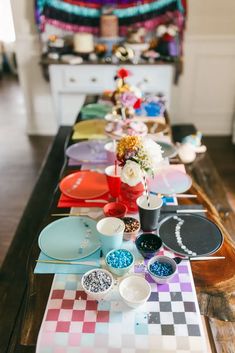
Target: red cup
[114,180]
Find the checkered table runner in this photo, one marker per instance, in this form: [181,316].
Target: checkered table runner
[169,322]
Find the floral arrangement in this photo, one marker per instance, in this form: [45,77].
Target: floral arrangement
[126,96]
[138,156]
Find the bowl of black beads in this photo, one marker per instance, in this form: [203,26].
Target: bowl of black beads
[119,261]
[97,283]
[148,244]
[161,268]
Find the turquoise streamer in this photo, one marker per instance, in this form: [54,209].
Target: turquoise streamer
[143,9]
[120,13]
[180,6]
[40,5]
[74,9]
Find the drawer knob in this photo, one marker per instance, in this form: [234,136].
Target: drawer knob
[146,80]
[72,79]
[93,79]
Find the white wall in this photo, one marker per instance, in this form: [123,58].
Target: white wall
[7,33]
[211,17]
[38,100]
[204,95]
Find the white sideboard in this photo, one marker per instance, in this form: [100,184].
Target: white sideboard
[71,83]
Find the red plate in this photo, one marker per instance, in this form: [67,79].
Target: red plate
[84,185]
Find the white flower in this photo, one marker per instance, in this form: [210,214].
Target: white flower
[154,153]
[131,173]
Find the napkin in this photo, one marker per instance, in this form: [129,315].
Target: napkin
[80,136]
[67,268]
[67,201]
[88,166]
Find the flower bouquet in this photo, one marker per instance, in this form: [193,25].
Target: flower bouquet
[139,157]
[126,98]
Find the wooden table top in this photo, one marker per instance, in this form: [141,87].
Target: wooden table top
[23,295]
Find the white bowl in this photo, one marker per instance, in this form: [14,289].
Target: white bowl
[164,259]
[134,290]
[97,295]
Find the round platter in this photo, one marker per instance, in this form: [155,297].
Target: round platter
[169,181]
[69,238]
[84,184]
[190,235]
[88,151]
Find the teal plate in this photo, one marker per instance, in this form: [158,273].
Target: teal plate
[95,111]
[69,238]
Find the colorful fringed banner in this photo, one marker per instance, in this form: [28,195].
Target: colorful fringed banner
[81,15]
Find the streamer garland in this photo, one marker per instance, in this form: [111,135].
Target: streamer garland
[76,14]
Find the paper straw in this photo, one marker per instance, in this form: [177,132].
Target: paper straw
[146,189]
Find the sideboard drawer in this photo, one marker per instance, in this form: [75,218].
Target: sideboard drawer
[88,79]
[92,79]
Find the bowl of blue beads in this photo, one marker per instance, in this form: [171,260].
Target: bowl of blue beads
[161,268]
[119,261]
[97,283]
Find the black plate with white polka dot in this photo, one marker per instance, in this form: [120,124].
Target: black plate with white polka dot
[190,235]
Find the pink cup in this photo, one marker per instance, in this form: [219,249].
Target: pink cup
[114,181]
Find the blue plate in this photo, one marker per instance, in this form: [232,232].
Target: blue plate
[69,238]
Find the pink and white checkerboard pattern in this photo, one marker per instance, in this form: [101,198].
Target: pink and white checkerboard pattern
[169,322]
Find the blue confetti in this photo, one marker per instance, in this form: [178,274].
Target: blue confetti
[119,258]
[161,269]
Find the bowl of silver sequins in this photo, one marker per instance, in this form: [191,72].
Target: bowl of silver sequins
[97,283]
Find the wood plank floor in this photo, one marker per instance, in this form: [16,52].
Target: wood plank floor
[21,158]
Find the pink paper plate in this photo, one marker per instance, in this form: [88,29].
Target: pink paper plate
[169,180]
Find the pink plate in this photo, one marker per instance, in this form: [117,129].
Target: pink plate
[170,181]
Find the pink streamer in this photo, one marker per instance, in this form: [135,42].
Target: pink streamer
[176,16]
[69,27]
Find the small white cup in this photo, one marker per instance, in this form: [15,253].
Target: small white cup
[110,233]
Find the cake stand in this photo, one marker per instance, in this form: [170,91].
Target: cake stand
[138,48]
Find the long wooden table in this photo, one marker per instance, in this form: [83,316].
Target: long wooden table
[23,295]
